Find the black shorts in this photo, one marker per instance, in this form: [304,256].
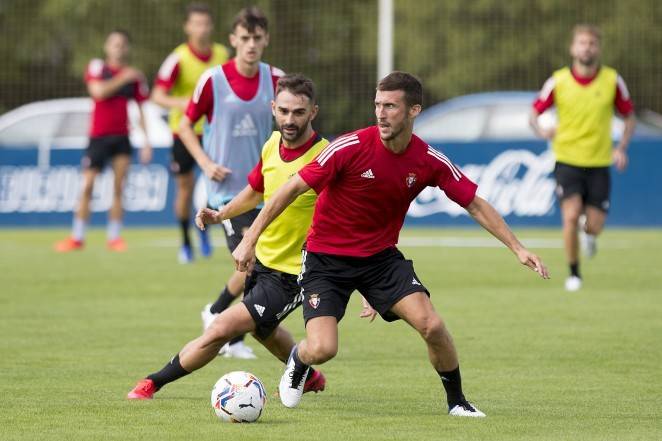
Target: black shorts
[593,184]
[270,297]
[181,161]
[327,282]
[234,228]
[103,148]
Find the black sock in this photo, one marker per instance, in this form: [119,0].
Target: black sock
[184,224]
[299,366]
[237,339]
[224,300]
[171,371]
[574,270]
[453,384]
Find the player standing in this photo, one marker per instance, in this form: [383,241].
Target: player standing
[366,181]
[111,83]
[585,96]
[174,87]
[236,99]
[272,290]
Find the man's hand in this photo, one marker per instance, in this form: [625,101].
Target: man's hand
[620,157]
[244,256]
[216,172]
[529,259]
[207,216]
[367,311]
[130,74]
[547,134]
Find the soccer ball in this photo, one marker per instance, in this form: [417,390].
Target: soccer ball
[238,397]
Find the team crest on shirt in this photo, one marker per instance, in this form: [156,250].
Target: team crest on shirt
[410,180]
[314,300]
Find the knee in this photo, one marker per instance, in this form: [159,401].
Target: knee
[432,328]
[218,332]
[570,220]
[319,352]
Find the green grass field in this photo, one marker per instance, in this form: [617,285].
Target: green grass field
[79,330]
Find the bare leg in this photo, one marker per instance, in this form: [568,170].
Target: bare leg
[279,343]
[83,211]
[571,209]
[595,220]
[232,322]
[321,342]
[185,183]
[121,165]
[417,310]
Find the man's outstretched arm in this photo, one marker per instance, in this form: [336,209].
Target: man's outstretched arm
[491,220]
[246,200]
[244,254]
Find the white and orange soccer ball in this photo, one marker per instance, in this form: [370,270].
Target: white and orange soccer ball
[238,397]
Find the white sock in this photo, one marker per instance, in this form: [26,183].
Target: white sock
[114,228]
[78,229]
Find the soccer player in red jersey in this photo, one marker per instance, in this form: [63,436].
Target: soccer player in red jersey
[366,181]
[111,83]
[236,99]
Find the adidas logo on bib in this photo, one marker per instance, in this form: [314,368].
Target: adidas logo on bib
[368,174]
[245,127]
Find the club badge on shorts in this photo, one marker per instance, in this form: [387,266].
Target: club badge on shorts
[410,179]
[314,300]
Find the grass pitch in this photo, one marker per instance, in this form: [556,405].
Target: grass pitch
[79,330]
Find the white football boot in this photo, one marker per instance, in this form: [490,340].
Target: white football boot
[466,409]
[237,350]
[573,283]
[207,316]
[291,384]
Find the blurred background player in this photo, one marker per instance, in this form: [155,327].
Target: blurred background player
[236,99]
[174,87]
[272,292]
[111,83]
[585,95]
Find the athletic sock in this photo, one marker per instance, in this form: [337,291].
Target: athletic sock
[299,366]
[78,229]
[574,270]
[223,302]
[113,230]
[237,339]
[171,371]
[186,238]
[452,382]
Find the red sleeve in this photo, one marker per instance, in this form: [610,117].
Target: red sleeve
[141,91]
[276,74]
[623,100]
[329,163]
[202,102]
[545,98]
[256,178]
[168,72]
[451,180]
[94,70]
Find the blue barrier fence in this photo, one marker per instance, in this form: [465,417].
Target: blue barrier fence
[514,176]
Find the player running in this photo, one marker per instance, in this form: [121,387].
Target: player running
[272,292]
[111,83]
[236,99]
[174,87]
[366,181]
[585,96]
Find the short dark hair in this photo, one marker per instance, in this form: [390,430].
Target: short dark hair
[197,8]
[585,28]
[123,32]
[297,84]
[406,82]
[250,18]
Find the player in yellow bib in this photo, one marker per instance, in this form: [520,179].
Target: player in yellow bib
[272,292]
[585,96]
[174,86]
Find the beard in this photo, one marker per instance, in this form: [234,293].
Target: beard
[588,60]
[299,131]
[395,131]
